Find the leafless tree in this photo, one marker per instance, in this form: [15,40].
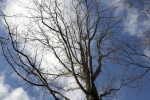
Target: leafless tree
[85,40]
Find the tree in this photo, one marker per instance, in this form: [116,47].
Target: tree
[70,46]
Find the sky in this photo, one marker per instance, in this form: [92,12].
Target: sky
[11,87]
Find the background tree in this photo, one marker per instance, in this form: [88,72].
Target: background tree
[71,47]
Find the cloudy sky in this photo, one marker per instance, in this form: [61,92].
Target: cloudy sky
[12,88]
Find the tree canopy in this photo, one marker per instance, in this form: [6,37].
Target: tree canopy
[77,49]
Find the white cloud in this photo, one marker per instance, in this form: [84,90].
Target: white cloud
[3,87]
[129,16]
[8,93]
[17,94]
[131,23]
[147,52]
[36,49]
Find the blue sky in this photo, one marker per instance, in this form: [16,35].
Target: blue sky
[16,90]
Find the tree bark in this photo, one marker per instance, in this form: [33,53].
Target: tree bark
[93,95]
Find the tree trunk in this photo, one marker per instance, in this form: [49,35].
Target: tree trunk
[93,95]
